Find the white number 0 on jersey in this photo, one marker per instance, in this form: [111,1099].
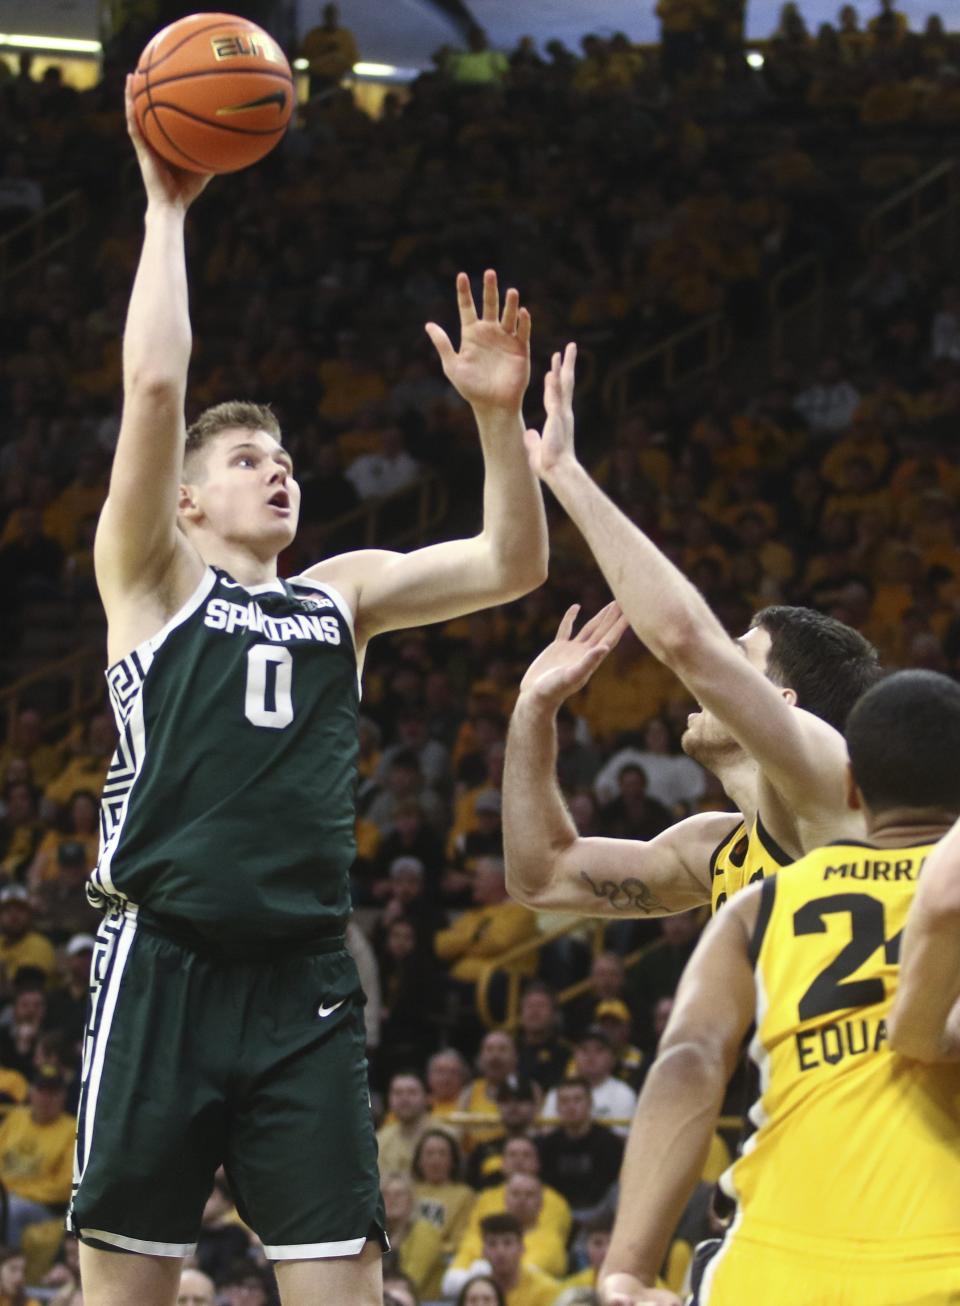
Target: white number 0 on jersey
[269,701]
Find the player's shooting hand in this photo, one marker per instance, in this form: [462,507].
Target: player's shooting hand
[165,185]
[627,1290]
[549,451]
[568,663]
[492,369]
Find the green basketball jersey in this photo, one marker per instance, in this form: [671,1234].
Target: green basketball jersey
[229,803]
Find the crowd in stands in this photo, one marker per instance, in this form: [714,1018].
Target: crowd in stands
[626,192]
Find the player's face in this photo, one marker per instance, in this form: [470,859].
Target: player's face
[245,490]
[706,736]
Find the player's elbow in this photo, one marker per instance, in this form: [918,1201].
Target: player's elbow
[155,384]
[521,573]
[519,561]
[679,642]
[521,886]
[694,1059]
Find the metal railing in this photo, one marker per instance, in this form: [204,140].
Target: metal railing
[478,1120]
[55,227]
[509,964]
[698,348]
[917,215]
[80,674]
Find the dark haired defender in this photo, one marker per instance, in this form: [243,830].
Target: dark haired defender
[773,704]
[848,1191]
[226,1023]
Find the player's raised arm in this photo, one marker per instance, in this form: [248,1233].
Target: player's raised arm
[801,755]
[924,1021]
[137,537]
[681,1099]
[549,866]
[508,558]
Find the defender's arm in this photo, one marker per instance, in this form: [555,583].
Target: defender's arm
[549,866]
[924,1022]
[682,1096]
[800,755]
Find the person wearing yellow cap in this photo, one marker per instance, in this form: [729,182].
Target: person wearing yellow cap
[613,1016]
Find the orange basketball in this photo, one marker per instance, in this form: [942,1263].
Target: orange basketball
[213,93]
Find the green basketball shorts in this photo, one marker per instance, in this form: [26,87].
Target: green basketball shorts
[193,1060]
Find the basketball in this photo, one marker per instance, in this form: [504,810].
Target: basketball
[213,93]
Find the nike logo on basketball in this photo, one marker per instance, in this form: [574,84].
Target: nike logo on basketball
[279,98]
[324,1010]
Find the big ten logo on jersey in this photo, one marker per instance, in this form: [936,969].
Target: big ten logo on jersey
[245,45]
[229,617]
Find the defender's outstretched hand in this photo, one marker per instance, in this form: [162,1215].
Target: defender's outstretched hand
[492,369]
[164,183]
[547,452]
[568,663]
[626,1290]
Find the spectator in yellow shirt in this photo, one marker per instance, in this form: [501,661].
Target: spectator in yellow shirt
[44,760]
[441,1198]
[503,1259]
[418,1242]
[496,1061]
[447,1075]
[20,945]
[330,50]
[397,1141]
[543,1244]
[36,1155]
[487,931]
[520,1157]
[87,769]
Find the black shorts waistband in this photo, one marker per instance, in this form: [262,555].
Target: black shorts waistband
[326,938]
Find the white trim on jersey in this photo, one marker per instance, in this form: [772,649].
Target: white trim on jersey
[122,777]
[139,1244]
[145,651]
[125,681]
[268,587]
[114,941]
[314,1251]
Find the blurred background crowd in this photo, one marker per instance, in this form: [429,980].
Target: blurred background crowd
[631,194]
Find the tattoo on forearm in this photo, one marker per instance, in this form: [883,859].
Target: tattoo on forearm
[626,895]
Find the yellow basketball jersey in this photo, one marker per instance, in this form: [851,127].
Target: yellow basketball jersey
[742,858]
[854,1145]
